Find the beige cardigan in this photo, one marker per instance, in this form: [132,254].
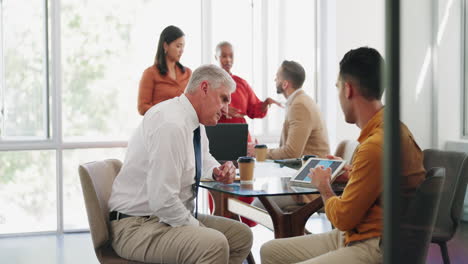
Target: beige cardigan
[304,132]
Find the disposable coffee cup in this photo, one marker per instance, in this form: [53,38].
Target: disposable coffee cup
[246,169]
[261,152]
[305,158]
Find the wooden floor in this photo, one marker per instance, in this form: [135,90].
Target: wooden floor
[77,248]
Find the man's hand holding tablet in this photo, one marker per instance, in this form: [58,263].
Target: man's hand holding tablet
[343,177]
[321,177]
[329,168]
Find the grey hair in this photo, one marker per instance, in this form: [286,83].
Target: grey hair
[215,76]
[220,45]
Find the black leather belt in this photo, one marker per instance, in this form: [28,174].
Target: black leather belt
[114,215]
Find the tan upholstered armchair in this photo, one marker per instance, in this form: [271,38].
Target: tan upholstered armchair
[96,181]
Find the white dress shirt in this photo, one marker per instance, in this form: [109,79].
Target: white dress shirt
[289,101]
[159,169]
[291,96]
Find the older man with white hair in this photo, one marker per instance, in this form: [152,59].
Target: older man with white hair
[153,216]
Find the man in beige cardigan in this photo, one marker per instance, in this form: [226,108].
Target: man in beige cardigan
[304,132]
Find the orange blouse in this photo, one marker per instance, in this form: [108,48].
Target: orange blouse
[155,88]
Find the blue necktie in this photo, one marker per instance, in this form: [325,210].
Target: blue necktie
[197,149]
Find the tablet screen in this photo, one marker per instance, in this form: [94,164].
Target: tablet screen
[333,164]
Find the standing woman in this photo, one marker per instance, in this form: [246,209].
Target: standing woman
[167,77]
[244,102]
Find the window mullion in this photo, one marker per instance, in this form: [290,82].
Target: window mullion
[56,103]
[264,64]
[206,31]
[316,50]
[46,91]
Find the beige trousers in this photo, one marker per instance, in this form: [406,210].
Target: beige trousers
[220,240]
[321,248]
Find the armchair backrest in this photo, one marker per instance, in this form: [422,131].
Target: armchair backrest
[417,226]
[453,192]
[96,182]
[346,149]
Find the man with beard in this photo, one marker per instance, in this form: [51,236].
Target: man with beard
[304,132]
[356,214]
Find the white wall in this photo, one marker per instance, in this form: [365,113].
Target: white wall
[416,69]
[448,77]
[431,81]
[358,23]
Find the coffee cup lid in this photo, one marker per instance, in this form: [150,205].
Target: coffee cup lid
[245,159]
[261,146]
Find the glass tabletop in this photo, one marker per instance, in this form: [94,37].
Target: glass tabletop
[277,186]
[270,180]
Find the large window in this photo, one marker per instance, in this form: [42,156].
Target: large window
[23,105]
[27,191]
[291,28]
[264,33]
[105,48]
[69,74]
[226,26]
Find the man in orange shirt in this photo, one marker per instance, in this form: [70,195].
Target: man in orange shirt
[357,213]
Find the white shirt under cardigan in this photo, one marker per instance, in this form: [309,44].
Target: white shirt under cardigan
[159,169]
[289,100]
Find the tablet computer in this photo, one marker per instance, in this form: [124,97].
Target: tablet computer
[301,178]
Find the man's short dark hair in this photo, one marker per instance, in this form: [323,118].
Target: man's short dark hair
[293,72]
[364,66]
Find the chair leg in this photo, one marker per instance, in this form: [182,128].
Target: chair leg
[250,258]
[444,251]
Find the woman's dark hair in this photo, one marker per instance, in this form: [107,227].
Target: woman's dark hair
[168,35]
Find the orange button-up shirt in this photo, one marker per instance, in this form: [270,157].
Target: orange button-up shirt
[155,88]
[358,211]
